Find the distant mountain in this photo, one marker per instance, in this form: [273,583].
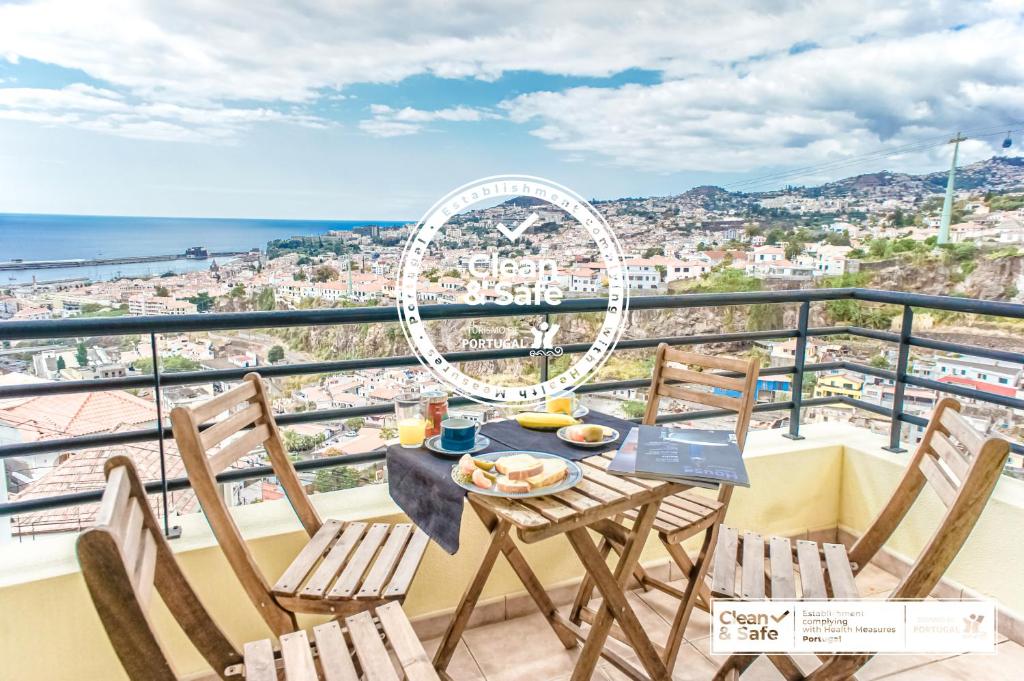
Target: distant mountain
[998,173]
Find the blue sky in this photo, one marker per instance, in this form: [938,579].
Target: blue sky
[296,110]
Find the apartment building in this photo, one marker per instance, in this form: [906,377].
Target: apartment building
[158,305]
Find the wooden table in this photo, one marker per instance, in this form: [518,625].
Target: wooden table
[593,504]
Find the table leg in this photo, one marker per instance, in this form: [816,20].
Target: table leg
[614,606]
[450,640]
[533,586]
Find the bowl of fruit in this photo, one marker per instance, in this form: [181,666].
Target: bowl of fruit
[588,435]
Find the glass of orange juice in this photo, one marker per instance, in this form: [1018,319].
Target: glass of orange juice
[412,427]
[562,402]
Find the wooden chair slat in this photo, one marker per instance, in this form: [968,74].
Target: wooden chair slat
[679,516]
[957,426]
[812,581]
[297,657]
[938,480]
[295,574]
[840,574]
[703,378]
[335,658]
[783,581]
[112,505]
[216,433]
[723,577]
[385,563]
[407,567]
[753,566]
[331,565]
[678,392]
[408,649]
[700,359]
[239,447]
[353,572]
[693,503]
[517,514]
[132,541]
[204,412]
[950,455]
[259,661]
[373,657]
[146,568]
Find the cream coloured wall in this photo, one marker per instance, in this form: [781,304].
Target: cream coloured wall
[50,631]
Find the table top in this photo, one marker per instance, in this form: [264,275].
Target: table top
[598,496]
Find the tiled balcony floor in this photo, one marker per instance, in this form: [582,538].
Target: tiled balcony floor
[525,648]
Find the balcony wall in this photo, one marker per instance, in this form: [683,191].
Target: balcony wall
[835,478]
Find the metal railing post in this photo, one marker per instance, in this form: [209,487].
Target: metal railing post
[544,358]
[799,358]
[900,387]
[169,532]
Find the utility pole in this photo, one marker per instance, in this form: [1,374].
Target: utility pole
[947,205]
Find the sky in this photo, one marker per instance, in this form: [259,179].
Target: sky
[368,110]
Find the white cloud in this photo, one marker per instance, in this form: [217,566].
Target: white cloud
[818,106]
[391,122]
[745,84]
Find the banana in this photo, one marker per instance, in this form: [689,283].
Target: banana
[538,420]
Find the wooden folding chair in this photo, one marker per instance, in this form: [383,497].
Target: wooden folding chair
[125,555]
[346,567]
[687,514]
[959,464]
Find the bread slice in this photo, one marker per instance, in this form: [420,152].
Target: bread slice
[554,472]
[505,484]
[519,466]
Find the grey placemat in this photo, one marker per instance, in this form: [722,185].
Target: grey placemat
[420,481]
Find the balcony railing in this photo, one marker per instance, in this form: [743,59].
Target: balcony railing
[154,326]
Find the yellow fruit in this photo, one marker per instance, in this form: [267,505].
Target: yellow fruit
[544,421]
[592,433]
[484,465]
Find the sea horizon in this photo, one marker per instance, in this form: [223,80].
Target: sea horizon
[52,236]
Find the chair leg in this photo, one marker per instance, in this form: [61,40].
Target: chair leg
[838,667]
[694,585]
[735,665]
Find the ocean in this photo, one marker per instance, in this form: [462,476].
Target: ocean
[60,237]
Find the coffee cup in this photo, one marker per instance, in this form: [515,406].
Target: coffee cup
[458,435]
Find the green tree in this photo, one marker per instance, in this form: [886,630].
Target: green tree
[168,364]
[793,249]
[324,273]
[879,362]
[61,364]
[332,479]
[265,300]
[653,251]
[81,354]
[354,423]
[237,291]
[275,354]
[633,409]
[161,291]
[202,301]
[299,276]
[764,316]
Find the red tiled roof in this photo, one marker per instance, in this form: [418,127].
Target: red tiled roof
[1004,390]
[49,417]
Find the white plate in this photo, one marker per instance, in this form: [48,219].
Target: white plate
[608,439]
[571,479]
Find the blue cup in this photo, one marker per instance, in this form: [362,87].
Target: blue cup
[458,435]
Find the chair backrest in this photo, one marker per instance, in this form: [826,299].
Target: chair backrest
[208,452]
[123,557]
[962,467]
[674,369]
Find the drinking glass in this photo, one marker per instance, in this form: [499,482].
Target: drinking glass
[412,426]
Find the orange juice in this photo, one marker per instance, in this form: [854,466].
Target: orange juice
[561,403]
[411,432]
